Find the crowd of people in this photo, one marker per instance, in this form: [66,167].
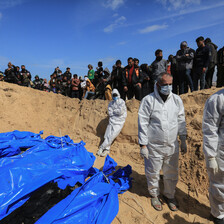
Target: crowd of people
[189,68]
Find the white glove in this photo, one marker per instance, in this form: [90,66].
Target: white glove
[213,165]
[144,152]
[183,145]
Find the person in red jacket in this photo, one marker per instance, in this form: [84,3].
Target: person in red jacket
[75,86]
[132,79]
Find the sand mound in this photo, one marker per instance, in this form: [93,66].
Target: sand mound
[26,109]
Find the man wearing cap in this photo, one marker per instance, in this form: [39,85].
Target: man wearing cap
[184,59]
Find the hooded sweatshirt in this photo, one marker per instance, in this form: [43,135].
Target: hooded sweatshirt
[90,88]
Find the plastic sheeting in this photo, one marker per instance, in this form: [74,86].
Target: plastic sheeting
[11,143]
[60,160]
[55,158]
[94,202]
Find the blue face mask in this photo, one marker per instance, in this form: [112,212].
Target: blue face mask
[166,90]
[115,98]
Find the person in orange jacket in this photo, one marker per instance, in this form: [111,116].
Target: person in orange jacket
[89,90]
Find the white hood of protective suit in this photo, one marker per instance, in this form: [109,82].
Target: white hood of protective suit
[117,109]
[115,91]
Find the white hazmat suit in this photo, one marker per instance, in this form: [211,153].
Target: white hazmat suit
[159,124]
[213,147]
[117,114]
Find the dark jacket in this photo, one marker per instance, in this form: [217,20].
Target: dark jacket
[183,61]
[116,78]
[38,84]
[26,77]
[137,76]
[173,68]
[68,75]
[10,75]
[202,58]
[213,54]
[220,58]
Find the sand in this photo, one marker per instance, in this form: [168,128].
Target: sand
[26,109]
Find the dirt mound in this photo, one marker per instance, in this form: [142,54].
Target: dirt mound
[26,109]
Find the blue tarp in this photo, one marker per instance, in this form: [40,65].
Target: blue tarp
[11,143]
[56,158]
[61,160]
[94,202]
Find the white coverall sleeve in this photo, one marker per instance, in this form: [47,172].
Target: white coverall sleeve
[144,114]
[120,110]
[210,125]
[110,109]
[182,130]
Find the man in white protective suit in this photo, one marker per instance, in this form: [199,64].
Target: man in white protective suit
[117,114]
[161,119]
[213,147]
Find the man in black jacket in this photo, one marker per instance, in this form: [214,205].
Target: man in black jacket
[10,75]
[212,62]
[220,68]
[132,79]
[116,78]
[68,74]
[201,62]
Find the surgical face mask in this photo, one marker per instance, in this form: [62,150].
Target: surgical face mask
[115,98]
[166,90]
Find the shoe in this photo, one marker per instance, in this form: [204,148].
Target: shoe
[156,204]
[105,152]
[99,152]
[172,203]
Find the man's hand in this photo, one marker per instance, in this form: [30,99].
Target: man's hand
[125,88]
[213,165]
[139,84]
[187,55]
[144,152]
[203,70]
[183,145]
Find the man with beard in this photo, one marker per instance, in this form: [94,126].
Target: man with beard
[159,65]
